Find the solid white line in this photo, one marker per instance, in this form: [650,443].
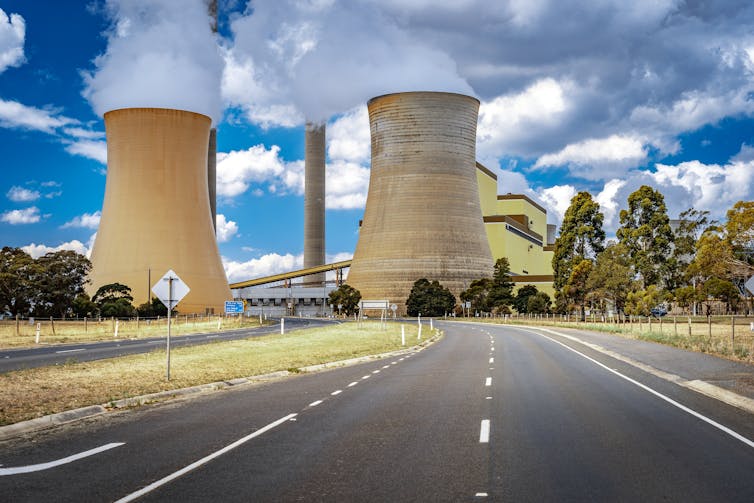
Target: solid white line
[492,360]
[484,432]
[353,383]
[70,350]
[314,404]
[52,464]
[337,392]
[488,382]
[694,413]
[196,464]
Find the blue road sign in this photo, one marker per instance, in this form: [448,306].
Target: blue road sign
[233,307]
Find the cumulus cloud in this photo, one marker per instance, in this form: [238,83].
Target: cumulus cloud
[160,53]
[225,229]
[37,250]
[22,195]
[597,158]
[268,264]
[347,185]
[12,35]
[86,221]
[257,166]
[348,137]
[19,217]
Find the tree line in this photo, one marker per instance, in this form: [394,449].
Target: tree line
[652,264]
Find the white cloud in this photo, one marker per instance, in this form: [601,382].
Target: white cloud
[16,115]
[37,250]
[12,35]
[22,195]
[87,221]
[507,122]
[266,265]
[91,149]
[609,205]
[557,199]
[598,158]
[238,170]
[225,229]
[347,185]
[19,217]
[348,137]
[88,134]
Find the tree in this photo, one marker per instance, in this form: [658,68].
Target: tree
[83,306]
[59,278]
[722,290]
[739,228]
[538,303]
[478,294]
[641,302]
[17,269]
[521,301]
[576,287]
[645,231]
[581,236]
[347,297]
[429,299]
[611,278]
[114,299]
[687,296]
[690,227]
[501,287]
[155,307]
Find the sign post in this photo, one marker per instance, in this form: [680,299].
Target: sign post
[170,289]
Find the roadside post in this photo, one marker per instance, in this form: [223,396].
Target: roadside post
[170,289]
[403,334]
[282,326]
[39,328]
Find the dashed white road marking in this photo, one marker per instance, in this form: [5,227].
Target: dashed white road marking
[314,404]
[337,392]
[365,377]
[154,485]
[488,381]
[376,371]
[386,366]
[70,350]
[484,431]
[52,464]
[481,495]
[488,398]
[353,383]
[492,348]
[492,360]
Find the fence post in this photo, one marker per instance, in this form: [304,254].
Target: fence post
[732,329]
[17,328]
[675,326]
[709,327]
[52,324]
[689,326]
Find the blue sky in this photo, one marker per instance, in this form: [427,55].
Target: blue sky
[600,96]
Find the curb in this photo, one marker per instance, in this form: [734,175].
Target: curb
[41,423]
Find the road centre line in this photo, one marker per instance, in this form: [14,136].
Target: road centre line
[376,371]
[154,485]
[365,377]
[52,464]
[314,404]
[492,360]
[484,432]
[488,381]
[666,398]
[70,350]
[386,366]
[353,383]
[336,392]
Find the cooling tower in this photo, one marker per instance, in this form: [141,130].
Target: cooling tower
[422,218]
[156,214]
[314,201]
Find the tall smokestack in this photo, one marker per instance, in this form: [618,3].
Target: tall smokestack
[156,214]
[422,218]
[212,147]
[314,200]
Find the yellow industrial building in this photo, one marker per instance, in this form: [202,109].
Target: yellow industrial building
[517,228]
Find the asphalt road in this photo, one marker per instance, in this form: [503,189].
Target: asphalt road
[15,359]
[488,413]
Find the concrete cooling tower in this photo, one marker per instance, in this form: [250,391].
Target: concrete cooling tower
[422,218]
[156,213]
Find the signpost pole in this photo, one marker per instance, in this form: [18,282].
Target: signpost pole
[170,308]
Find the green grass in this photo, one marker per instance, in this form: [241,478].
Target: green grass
[36,392]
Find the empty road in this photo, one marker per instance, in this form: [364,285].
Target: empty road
[489,413]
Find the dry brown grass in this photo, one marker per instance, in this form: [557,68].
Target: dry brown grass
[37,392]
[23,334]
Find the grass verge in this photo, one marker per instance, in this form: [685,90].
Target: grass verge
[38,392]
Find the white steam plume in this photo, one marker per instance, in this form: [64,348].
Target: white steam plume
[160,53]
[327,56]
